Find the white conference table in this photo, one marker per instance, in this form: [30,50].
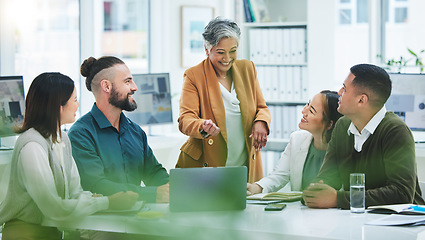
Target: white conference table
[294,222]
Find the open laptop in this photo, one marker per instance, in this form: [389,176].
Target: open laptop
[208,189]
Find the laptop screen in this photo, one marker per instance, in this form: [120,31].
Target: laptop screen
[208,189]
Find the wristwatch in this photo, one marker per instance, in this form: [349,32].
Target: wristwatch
[203,133]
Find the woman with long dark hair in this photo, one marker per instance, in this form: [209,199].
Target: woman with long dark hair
[44,180]
[304,154]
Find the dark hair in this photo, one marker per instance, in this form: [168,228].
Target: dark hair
[47,93]
[219,28]
[92,66]
[374,79]
[330,113]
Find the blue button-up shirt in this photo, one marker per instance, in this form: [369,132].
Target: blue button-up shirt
[110,161]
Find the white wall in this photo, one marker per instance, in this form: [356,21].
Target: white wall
[320,45]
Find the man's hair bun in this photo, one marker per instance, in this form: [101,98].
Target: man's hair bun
[92,66]
[87,66]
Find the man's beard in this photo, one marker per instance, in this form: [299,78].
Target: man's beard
[123,104]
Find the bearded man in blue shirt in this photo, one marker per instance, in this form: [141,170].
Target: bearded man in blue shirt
[111,151]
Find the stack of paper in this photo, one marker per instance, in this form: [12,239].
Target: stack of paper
[401,214]
[398,220]
[406,209]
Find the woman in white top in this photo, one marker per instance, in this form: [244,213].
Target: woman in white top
[44,180]
[304,154]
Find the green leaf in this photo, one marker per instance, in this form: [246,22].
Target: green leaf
[411,52]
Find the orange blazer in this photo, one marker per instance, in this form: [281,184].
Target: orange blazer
[201,100]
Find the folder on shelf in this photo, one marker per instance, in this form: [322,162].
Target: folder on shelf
[247,11]
[286,46]
[267,83]
[293,118]
[296,81]
[260,77]
[289,86]
[272,37]
[264,32]
[304,84]
[274,74]
[282,79]
[301,45]
[285,121]
[293,36]
[278,121]
[279,46]
[254,45]
[251,11]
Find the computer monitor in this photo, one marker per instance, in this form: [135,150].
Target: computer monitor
[12,104]
[153,99]
[407,99]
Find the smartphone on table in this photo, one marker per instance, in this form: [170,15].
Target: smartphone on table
[275,206]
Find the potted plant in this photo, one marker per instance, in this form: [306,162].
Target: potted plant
[397,65]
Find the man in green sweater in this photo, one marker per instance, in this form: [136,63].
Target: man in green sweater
[369,140]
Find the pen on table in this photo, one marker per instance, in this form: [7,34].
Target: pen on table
[418,208]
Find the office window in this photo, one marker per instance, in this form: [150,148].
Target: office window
[125,32]
[396,11]
[400,15]
[362,14]
[352,12]
[403,31]
[45,37]
[345,16]
[351,36]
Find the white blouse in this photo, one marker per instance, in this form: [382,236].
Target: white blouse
[237,153]
[36,175]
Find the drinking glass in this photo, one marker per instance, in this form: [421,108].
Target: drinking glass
[357,192]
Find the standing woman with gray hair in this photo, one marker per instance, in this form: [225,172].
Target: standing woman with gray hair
[222,109]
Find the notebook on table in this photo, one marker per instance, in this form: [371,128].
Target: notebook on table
[208,189]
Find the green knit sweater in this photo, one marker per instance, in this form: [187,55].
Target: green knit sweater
[387,159]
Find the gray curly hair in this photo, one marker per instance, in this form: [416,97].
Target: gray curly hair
[219,28]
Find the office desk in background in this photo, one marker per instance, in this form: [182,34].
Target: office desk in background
[294,222]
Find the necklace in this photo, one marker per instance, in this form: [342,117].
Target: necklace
[225,77]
